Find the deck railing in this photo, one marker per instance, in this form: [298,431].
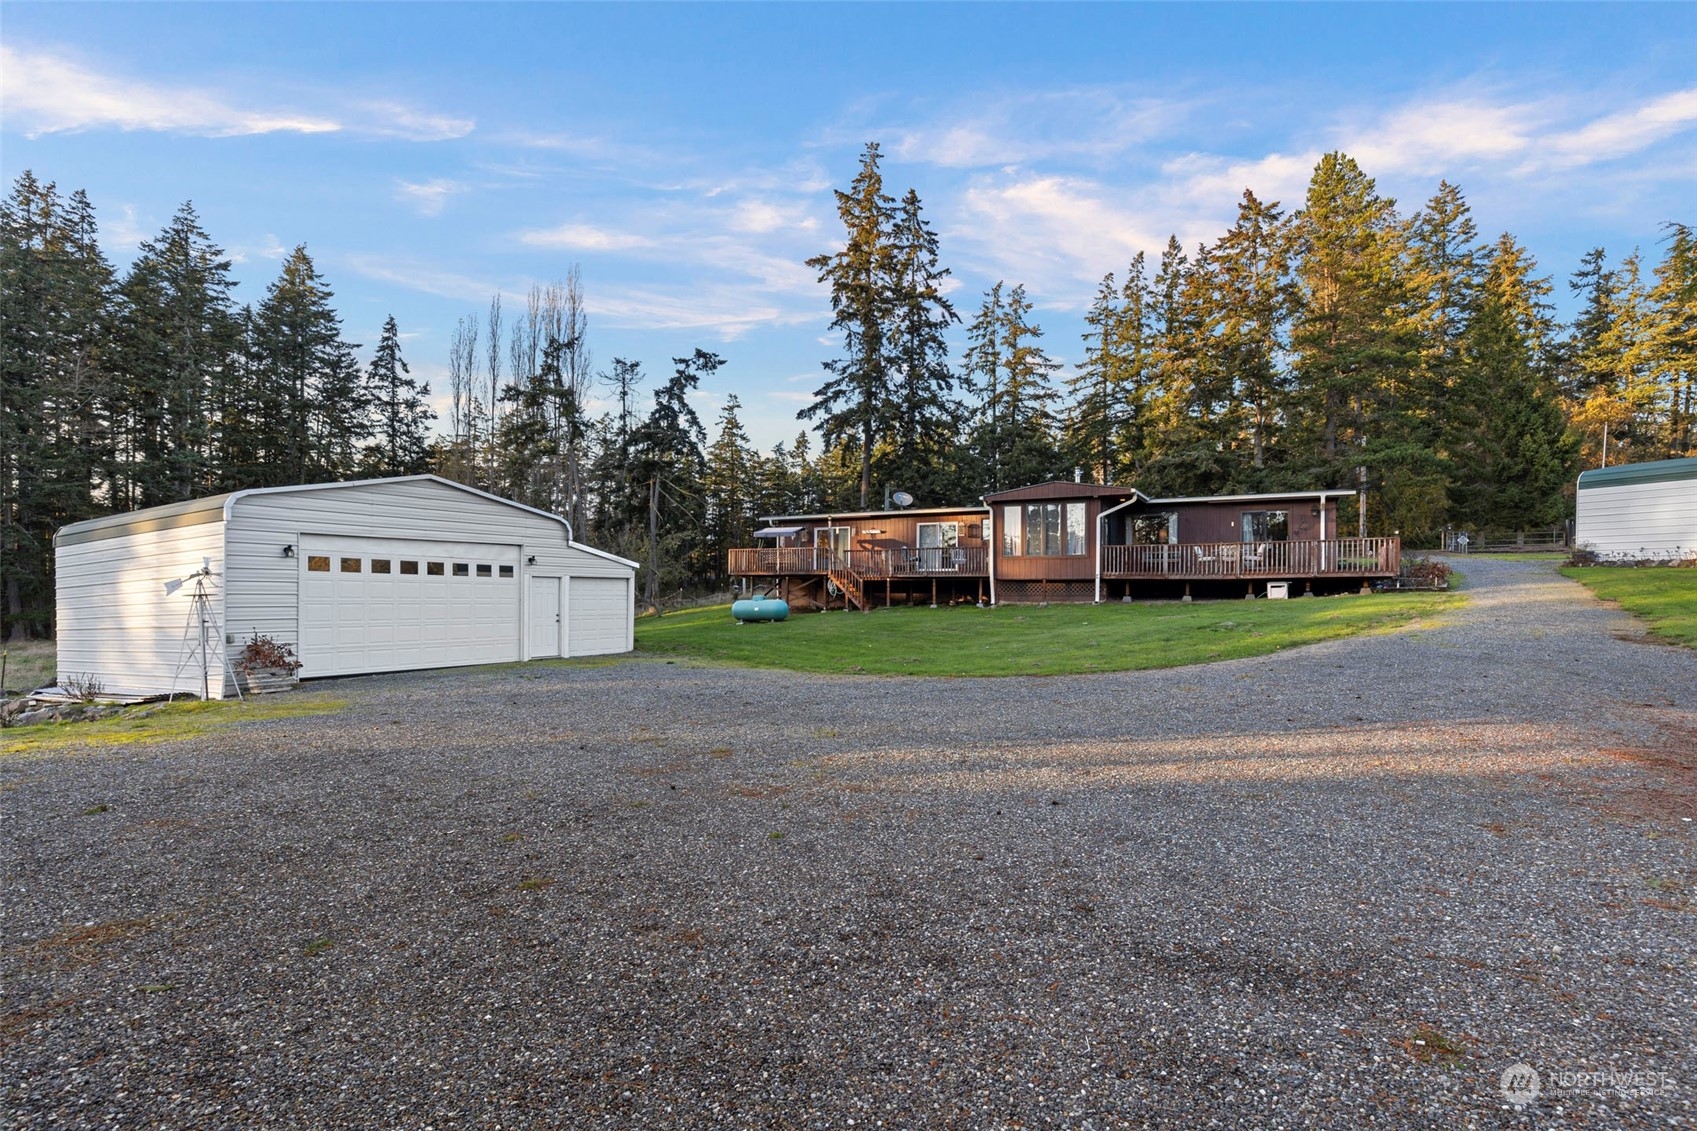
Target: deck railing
[1334,557]
[800,560]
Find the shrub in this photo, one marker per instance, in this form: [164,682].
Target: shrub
[262,652]
[1434,573]
[86,688]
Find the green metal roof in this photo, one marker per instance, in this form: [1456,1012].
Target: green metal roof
[1658,471]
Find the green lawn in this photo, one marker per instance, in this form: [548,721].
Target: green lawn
[1030,640]
[163,722]
[1666,598]
[29,665]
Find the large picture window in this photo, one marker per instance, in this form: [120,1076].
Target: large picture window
[1044,530]
[1158,529]
[1266,526]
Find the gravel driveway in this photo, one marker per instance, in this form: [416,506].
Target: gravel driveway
[1343,886]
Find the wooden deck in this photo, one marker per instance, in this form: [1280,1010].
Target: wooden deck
[1192,561]
[1238,561]
[818,561]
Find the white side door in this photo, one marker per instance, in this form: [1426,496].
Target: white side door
[544,617]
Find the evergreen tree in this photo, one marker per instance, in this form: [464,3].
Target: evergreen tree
[728,485]
[854,401]
[1017,440]
[924,418]
[1673,300]
[1354,339]
[400,407]
[298,353]
[178,346]
[668,462]
[1512,459]
[1252,302]
[55,392]
[1109,387]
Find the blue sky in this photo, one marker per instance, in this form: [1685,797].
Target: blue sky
[683,156]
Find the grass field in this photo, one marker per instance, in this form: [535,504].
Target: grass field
[163,722]
[1030,640]
[1665,598]
[29,665]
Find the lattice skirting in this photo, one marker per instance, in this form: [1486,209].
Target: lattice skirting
[1035,592]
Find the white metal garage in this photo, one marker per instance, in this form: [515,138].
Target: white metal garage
[379,575]
[1639,511]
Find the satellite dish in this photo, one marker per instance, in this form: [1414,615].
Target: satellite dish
[903,499]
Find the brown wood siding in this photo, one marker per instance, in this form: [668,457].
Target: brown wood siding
[1223,522]
[1052,567]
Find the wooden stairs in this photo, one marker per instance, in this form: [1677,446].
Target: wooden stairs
[852,585]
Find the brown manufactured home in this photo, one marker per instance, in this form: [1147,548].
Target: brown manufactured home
[1062,541]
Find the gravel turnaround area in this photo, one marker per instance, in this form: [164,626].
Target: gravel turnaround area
[1344,886]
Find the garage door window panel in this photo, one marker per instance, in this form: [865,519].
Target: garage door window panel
[435,569]
[318,563]
[462,569]
[409,569]
[350,565]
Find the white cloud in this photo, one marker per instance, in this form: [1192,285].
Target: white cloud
[124,232]
[428,198]
[430,280]
[1628,131]
[1094,124]
[582,237]
[1056,234]
[394,120]
[45,94]
[728,312]
[1215,184]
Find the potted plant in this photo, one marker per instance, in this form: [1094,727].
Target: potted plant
[266,665]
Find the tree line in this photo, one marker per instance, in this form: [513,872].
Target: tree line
[1336,344]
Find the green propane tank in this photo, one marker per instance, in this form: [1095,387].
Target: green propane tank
[760,608]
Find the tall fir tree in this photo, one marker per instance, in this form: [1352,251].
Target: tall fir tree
[297,352]
[179,346]
[1253,299]
[1510,455]
[55,391]
[924,417]
[401,410]
[854,402]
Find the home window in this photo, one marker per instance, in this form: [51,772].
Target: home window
[1048,530]
[379,565]
[318,563]
[1266,526]
[433,569]
[462,569]
[350,565]
[937,543]
[834,538]
[1157,529]
[409,568]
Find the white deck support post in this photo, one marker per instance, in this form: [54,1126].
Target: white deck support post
[1101,528]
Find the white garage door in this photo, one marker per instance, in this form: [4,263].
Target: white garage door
[382,604]
[598,618]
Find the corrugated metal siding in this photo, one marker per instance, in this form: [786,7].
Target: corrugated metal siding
[115,621]
[264,594]
[1638,520]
